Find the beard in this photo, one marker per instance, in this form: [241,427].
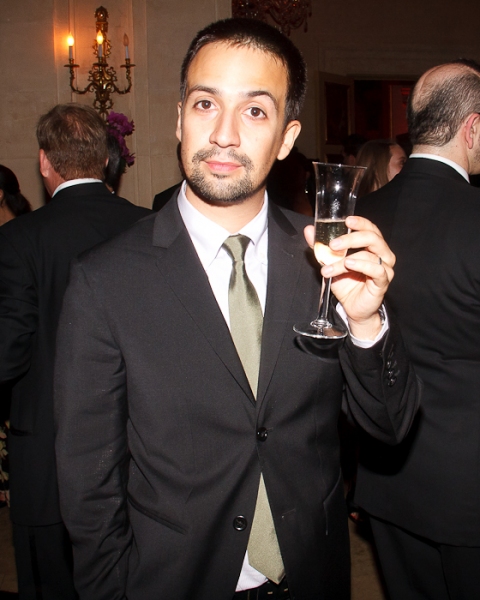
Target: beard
[219,189]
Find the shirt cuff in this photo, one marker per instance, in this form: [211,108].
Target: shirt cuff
[364,343]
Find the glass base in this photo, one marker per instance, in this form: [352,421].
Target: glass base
[322,331]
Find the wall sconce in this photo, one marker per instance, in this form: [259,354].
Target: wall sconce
[289,14]
[102,78]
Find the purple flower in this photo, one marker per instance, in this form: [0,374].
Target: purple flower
[119,126]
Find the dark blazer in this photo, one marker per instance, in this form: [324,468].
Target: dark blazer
[35,254]
[162,198]
[430,484]
[160,442]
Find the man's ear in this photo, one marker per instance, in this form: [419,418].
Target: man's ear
[45,165]
[290,134]
[472,129]
[179,122]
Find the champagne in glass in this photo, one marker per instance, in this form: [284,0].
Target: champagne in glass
[336,194]
[327,230]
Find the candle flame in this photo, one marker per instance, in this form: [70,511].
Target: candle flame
[70,40]
[99,38]
[125,39]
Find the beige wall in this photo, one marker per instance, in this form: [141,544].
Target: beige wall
[33,46]
[361,37]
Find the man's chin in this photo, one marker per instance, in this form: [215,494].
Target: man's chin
[220,195]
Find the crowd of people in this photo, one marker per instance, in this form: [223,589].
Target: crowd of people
[169,434]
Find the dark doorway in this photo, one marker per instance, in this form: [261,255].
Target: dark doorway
[380,107]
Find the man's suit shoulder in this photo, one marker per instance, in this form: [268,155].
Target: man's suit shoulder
[136,239]
[297,219]
[291,222]
[445,190]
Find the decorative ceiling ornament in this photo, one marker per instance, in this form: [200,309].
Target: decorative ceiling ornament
[289,14]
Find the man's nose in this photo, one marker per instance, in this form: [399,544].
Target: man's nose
[226,131]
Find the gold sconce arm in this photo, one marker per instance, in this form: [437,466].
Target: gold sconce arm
[102,78]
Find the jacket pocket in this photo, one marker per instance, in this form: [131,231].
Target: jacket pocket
[162,519]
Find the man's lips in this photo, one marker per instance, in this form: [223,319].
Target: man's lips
[222,167]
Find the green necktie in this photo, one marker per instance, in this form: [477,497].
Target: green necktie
[246,323]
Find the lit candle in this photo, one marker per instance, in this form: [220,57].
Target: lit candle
[70,46]
[100,44]
[125,43]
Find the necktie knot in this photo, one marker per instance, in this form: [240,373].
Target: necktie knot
[236,246]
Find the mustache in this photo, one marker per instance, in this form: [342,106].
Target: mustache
[231,154]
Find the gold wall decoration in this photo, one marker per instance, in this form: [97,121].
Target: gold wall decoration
[102,78]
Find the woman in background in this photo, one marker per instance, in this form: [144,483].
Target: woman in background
[12,204]
[383,160]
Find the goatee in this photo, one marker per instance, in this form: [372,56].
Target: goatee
[220,190]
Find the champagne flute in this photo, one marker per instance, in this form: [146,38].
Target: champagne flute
[336,194]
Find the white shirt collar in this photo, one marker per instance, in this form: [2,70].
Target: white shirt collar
[444,160]
[208,237]
[71,182]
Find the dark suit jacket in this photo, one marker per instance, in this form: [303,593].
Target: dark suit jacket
[157,441]
[430,484]
[35,254]
[162,198]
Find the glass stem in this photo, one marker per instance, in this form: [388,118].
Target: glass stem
[322,318]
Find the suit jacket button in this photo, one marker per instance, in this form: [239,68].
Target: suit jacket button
[240,523]
[262,434]
[392,381]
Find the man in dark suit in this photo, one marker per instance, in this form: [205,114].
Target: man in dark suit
[423,495]
[196,438]
[35,255]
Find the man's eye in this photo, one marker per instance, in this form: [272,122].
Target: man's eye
[256,112]
[204,104]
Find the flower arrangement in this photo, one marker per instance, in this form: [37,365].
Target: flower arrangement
[119,126]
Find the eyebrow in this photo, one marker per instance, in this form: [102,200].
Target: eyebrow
[216,92]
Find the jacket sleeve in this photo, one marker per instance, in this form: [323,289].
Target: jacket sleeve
[91,443]
[18,312]
[382,392]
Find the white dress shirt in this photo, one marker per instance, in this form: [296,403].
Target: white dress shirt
[71,182]
[208,238]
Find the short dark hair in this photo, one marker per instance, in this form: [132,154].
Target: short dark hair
[74,138]
[436,112]
[13,198]
[261,36]
[116,164]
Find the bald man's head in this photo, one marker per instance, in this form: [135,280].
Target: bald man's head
[442,98]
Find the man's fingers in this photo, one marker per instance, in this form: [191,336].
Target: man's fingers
[309,233]
[364,263]
[368,240]
[357,223]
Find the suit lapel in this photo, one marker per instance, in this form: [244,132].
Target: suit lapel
[183,272]
[286,255]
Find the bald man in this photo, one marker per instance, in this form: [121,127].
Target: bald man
[424,496]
